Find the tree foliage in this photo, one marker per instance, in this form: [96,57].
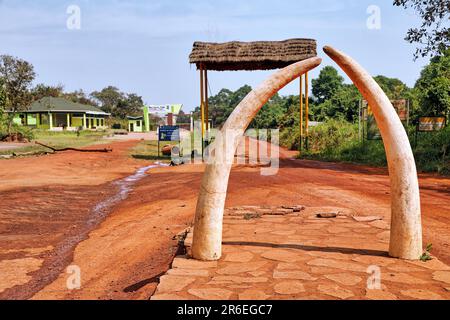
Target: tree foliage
[433,86]
[327,84]
[42,90]
[119,104]
[16,76]
[433,36]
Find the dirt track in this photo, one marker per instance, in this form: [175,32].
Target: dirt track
[123,256]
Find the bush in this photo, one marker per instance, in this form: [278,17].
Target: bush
[337,140]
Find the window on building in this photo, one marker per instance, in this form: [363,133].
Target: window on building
[138,123]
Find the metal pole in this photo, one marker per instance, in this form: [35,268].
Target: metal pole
[301,113]
[202,111]
[306,109]
[206,103]
[359,120]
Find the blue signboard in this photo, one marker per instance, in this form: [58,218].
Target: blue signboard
[169,133]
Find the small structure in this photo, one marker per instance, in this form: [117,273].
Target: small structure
[250,56]
[58,114]
[135,124]
[167,113]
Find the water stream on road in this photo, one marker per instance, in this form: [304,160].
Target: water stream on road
[125,185]
[62,255]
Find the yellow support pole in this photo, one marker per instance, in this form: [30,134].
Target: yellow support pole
[306,109]
[206,101]
[202,111]
[301,113]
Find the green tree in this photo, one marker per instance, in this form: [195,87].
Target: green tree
[393,87]
[327,84]
[109,98]
[79,96]
[433,86]
[129,105]
[17,76]
[222,104]
[42,90]
[119,104]
[433,36]
[342,105]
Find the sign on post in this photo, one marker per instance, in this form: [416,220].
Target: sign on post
[402,108]
[168,133]
[427,124]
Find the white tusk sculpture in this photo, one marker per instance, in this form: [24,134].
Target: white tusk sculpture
[207,238]
[406,228]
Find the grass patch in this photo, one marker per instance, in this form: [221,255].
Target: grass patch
[62,139]
[148,150]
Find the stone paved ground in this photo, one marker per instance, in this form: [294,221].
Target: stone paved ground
[290,253]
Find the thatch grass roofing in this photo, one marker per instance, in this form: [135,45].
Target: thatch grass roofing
[258,55]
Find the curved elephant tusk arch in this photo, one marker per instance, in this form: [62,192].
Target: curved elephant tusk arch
[207,238]
[406,227]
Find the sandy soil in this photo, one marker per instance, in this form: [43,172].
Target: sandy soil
[124,255]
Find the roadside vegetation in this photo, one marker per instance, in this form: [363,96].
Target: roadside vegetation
[58,140]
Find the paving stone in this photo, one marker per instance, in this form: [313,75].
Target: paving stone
[337,229]
[256,273]
[237,279]
[366,218]
[385,235]
[344,265]
[282,255]
[253,295]
[238,286]
[323,270]
[188,272]
[404,268]
[169,283]
[374,260]
[185,263]
[421,294]
[289,287]
[167,296]
[380,224]
[283,232]
[236,268]
[433,264]
[297,275]
[375,294]
[286,266]
[401,278]
[329,255]
[443,276]
[335,291]
[211,293]
[244,256]
[344,278]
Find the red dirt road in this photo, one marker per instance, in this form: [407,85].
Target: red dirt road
[123,256]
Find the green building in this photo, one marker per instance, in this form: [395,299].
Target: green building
[135,124]
[61,114]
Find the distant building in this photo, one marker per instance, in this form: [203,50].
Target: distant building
[135,124]
[168,114]
[58,114]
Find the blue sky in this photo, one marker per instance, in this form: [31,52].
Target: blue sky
[143,46]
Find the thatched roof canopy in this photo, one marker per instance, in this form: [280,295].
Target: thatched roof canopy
[259,55]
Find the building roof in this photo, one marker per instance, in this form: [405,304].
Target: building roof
[135,118]
[51,104]
[259,55]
